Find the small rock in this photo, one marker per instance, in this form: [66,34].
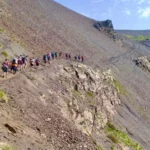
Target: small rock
[10,128]
[48,119]
[43,136]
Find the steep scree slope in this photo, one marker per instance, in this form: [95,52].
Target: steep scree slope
[44,25]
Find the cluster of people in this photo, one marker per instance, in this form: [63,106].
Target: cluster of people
[51,56]
[79,58]
[16,64]
[20,62]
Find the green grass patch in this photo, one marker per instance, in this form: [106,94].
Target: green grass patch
[113,139]
[76,94]
[15,39]
[5,54]
[119,87]
[2,30]
[90,94]
[22,44]
[121,137]
[138,38]
[112,147]
[5,146]
[3,97]
[98,147]
[1,45]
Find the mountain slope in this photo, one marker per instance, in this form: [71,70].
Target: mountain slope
[43,26]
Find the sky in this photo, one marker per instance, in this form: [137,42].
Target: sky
[125,14]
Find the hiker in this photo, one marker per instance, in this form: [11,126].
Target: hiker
[45,59]
[69,56]
[20,63]
[15,60]
[82,58]
[79,58]
[75,57]
[49,57]
[26,61]
[23,61]
[66,55]
[32,62]
[55,54]
[14,66]
[37,62]
[5,66]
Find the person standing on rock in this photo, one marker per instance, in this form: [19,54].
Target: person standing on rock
[5,66]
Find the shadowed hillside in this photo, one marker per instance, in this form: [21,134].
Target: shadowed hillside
[101,105]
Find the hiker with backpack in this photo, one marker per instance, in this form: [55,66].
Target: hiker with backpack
[37,62]
[53,55]
[69,56]
[32,62]
[14,66]
[20,63]
[66,55]
[79,57]
[75,57]
[49,57]
[82,58]
[5,66]
[45,58]
[24,61]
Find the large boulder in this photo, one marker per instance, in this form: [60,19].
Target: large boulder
[143,62]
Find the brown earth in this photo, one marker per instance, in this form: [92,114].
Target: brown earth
[33,111]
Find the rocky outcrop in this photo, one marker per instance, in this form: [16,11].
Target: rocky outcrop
[104,25]
[91,101]
[143,62]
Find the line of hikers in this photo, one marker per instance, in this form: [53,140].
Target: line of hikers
[53,55]
[20,62]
